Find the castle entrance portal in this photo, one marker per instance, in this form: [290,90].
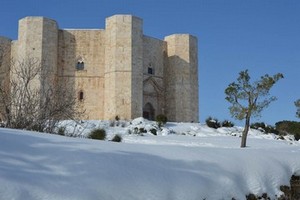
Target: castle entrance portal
[149,112]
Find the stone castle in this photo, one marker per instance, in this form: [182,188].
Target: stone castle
[116,71]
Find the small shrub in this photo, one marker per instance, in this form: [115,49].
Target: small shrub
[135,130]
[142,130]
[117,138]
[255,197]
[161,120]
[264,128]
[271,129]
[286,190]
[265,196]
[280,137]
[258,125]
[153,131]
[290,192]
[251,197]
[289,127]
[297,136]
[61,131]
[213,123]
[227,123]
[97,134]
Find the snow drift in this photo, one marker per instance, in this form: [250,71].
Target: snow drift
[198,163]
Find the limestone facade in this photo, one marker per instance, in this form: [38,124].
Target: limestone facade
[116,71]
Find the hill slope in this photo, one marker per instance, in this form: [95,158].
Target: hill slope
[172,167]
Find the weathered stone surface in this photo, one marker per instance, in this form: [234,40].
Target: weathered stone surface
[117,70]
[182,78]
[5,52]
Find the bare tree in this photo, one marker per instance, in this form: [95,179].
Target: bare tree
[249,99]
[36,99]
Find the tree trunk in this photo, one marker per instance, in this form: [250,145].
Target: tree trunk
[245,132]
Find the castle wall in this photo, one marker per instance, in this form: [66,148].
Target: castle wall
[153,69]
[14,49]
[5,54]
[194,81]
[38,38]
[115,71]
[86,46]
[123,67]
[181,78]
[37,44]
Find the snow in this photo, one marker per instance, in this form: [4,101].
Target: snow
[184,161]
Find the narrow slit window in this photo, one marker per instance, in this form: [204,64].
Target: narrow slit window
[150,70]
[80,96]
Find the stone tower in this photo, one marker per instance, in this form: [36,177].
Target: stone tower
[181,78]
[38,38]
[5,53]
[37,43]
[116,71]
[123,67]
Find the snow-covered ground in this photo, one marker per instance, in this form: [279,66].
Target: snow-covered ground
[184,161]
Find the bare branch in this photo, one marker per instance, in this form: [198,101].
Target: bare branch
[36,99]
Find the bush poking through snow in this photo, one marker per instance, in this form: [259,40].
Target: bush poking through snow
[136,130]
[292,191]
[254,197]
[213,123]
[161,120]
[289,127]
[61,130]
[264,127]
[98,134]
[258,125]
[227,123]
[153,131]
[142,130]
[117,138]
[251,197]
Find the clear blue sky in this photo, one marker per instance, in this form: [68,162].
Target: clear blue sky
[260,35]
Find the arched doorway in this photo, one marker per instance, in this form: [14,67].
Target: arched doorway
[149,112]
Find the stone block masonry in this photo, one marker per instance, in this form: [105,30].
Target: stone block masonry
[116,71]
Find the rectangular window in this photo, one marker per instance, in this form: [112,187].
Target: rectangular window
[150,70]
[80,96]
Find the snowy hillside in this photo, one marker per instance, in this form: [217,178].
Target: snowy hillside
[184,161]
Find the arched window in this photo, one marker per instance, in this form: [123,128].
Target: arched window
[149,112]
[80,64]
[150,68]
[80,96]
